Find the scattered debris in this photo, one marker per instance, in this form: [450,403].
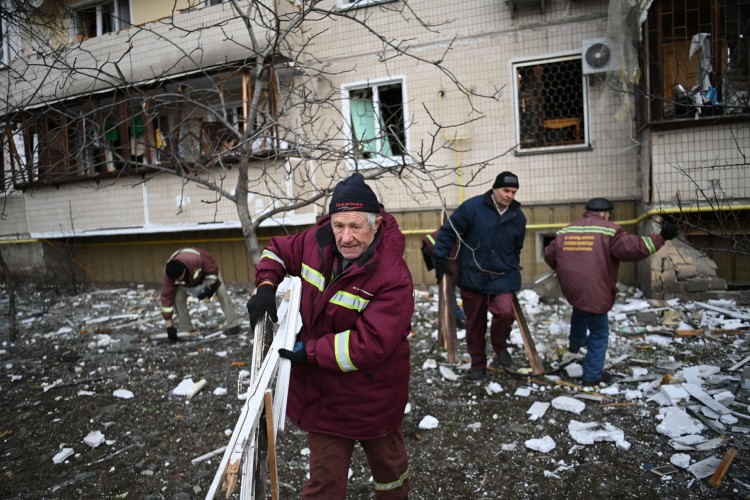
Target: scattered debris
[429,422]
[543,445]
[63,455]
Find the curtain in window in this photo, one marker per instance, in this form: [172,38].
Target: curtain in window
[364,131]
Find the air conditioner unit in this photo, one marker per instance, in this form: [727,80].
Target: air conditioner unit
[600,55]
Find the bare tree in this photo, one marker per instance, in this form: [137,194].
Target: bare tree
[284,144]
[11,290]
[717,215]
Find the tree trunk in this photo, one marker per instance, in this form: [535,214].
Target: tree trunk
[249,233]
[12,326]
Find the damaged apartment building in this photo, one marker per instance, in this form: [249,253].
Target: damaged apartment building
[133,127]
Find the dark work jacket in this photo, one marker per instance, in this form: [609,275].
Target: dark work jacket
[587,256]
[355,383]
[428,251]
[201,268]
[490,249]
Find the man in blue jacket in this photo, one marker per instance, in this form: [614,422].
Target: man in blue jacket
[490,228]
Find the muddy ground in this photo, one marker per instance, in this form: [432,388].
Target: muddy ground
[58,380]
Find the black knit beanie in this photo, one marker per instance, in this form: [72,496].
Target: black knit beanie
[506,179]
[353,195]
[174,269]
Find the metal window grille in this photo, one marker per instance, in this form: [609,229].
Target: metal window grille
[698,54]
[550,104]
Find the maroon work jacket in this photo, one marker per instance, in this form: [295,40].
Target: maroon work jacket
[587,256]
[356,323]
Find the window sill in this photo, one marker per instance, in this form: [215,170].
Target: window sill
[363,163]
[679,123]
[553,150]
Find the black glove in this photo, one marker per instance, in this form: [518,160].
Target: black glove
[209,291]
[297,356]
[264,301]
[172,333]
[668,232]
[441,268]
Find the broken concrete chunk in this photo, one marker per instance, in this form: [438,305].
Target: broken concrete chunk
[523,392]
[429,364]
[493,388]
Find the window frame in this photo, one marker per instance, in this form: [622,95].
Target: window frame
[547,59]
[378,159]
[656,69]
[118,22]
[10,37]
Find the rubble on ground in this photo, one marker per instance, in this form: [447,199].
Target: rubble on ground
[103,405]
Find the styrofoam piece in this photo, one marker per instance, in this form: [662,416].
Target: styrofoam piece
[537,410]
[593,432]
[568,404]
[62,455]
[676,422]
[543,445]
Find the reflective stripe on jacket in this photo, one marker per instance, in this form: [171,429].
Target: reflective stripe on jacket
[201,267]
[587,255]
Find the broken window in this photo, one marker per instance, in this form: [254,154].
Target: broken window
[69,144]
[10,34]
[20,153]
[698,57]
[550,104]
[377,124]
[98,19]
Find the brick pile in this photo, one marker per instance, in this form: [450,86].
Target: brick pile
[680,271]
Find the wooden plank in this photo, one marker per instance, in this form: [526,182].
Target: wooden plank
[242,442]
[535,361]
[714,331]
[268,401]
[722,469]
[447,317]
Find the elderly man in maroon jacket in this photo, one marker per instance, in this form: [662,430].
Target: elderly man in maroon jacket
[350,376]
[587,256]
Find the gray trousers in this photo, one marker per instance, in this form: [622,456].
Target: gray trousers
[183,312]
